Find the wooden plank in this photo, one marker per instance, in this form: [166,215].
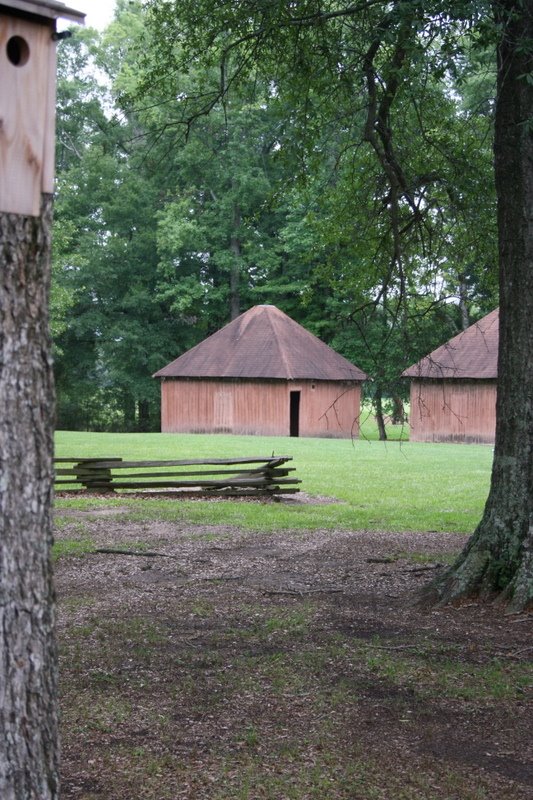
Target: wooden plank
[185,484]
[193,462]
[81,473]
[270,461]
[89,474]
[84,460]
[49,141]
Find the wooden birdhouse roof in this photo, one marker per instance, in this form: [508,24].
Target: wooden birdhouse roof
[50,9]
[471,354]
[263,343]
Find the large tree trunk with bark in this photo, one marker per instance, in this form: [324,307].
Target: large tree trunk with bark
[28,720]
[498,560]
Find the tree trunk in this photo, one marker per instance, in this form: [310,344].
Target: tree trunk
[129,411]
[143,424]
[463,304]
[28,720]
[235,275]
[380,419]
[498,560]
[398,411]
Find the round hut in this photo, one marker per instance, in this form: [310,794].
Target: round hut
[262,374]
[453,389]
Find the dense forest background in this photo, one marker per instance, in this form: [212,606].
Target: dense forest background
[170,221]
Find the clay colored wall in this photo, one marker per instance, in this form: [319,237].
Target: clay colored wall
[453,411]
[326,409]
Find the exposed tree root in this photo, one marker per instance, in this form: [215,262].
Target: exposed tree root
[471,577]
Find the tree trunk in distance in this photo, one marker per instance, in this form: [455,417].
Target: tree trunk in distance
[463,306]
[129,412]
[380,419]
[398,411]
[28,718]
[235,275]
[498,560]
[143,425]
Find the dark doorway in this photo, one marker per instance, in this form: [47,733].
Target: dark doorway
[295,414]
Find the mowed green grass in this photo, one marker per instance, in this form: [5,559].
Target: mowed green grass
[394,485]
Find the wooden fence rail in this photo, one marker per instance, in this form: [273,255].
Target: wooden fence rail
[234,476]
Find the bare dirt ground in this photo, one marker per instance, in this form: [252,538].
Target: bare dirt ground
[215,663]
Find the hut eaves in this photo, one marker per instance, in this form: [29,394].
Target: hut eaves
[472,354]
[263,343]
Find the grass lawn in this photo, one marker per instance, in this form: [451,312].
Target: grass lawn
[394,485]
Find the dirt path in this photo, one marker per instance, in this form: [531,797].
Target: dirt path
[231,664]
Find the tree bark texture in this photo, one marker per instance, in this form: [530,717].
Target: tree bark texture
[28,720]
[380,418]
[235,275]
[498,560]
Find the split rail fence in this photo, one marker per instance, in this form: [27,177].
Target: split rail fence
[228,477]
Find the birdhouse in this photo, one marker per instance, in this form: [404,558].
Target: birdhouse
[27,101]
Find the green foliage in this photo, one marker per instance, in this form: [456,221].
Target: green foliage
[170,220]
[213,233]
[114,333]
[377,237]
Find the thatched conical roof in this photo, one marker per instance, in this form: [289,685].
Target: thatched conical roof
[471,354]
[263,343]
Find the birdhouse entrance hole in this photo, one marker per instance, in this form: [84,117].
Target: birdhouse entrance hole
[18,51]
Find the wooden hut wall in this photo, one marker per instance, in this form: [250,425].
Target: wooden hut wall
[453,411]
[328,409]
[323,408]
